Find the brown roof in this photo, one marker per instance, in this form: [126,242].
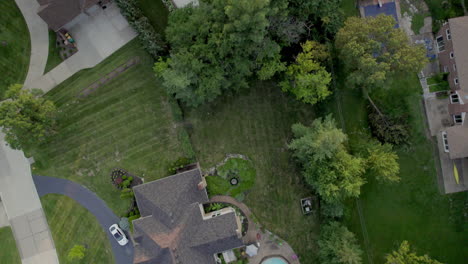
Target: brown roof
[457,137]
[457,108]
[172,229]
[57,13]
[459,33]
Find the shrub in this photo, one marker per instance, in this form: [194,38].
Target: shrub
[149,38]
[124,177]
[126,193]
[186,144]
[126,183]
[178,164]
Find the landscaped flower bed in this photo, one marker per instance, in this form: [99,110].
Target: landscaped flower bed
[123,179]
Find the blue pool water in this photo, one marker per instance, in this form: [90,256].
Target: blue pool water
[274,260]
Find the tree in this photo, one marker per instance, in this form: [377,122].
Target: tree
[327,166]
[373,48]
[404,256]
[337,245]
[25,117]
[307,78]
[318,142]
[77,252]
[216,47]
[382,162]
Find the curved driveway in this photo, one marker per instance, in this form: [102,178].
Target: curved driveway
[94,204]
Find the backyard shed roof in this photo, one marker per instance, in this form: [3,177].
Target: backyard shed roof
[172,229]
[459,34]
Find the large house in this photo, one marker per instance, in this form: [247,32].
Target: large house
[452,45]
[174,228]
[58,13]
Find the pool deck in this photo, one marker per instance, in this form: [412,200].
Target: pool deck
[269,247]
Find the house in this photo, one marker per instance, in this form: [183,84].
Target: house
[452,47]
[174,228]
[58,13]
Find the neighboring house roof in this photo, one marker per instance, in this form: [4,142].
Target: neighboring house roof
[172,229]
[457,137]
[57,13]
[459,34]
[457,108]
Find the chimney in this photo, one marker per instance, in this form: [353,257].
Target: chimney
[202,185]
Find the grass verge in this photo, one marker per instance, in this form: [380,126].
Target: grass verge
[413,209]
[54,58]
[15,46]
[257,123]
[71,224]
[125,123]
[8,251]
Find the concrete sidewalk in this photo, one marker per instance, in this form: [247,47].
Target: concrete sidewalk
[23,208]
[39,35]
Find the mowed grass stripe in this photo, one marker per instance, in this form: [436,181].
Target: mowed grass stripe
[71,224]
[126,123]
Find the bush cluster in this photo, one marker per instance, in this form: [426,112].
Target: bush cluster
[178,164]
[149,38]
[388,130]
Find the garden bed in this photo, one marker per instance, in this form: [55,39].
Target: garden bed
[123,179]
[234,178]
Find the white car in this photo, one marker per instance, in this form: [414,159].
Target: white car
[118,234]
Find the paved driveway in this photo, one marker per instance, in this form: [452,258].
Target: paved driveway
[98,34]
[94,204]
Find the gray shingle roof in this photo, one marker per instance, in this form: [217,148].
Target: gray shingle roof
[172,230]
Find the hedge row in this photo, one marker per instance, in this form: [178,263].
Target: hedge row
[150,39]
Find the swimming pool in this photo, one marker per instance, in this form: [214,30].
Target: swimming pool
[274,260]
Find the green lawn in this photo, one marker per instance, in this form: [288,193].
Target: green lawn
[14,46]
[413,209]
[417,22]
[71,224]
[54,58]
[8,251]
[156,12]
[126,123]
[257,123]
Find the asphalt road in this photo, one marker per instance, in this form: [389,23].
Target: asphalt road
[94,204]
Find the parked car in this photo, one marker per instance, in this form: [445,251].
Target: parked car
[118,234]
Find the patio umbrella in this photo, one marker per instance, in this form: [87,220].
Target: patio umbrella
[251,250]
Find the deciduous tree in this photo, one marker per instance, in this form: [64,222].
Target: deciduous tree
[327,166]
[307,78]
[404,256]
[373,48]
[382,162]
[25,118]
[337,245]
[216,47]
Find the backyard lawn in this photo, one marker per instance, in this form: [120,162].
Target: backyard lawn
[71,224]
[54,59]
[8,251]
[413,209]
[126,123]
[257,123]
[14,46]
[156,12]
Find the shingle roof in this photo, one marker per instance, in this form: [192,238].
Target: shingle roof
[57,13]
[457,137]
[459,34]
[172,229]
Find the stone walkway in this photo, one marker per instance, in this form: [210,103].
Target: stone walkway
[270,244]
